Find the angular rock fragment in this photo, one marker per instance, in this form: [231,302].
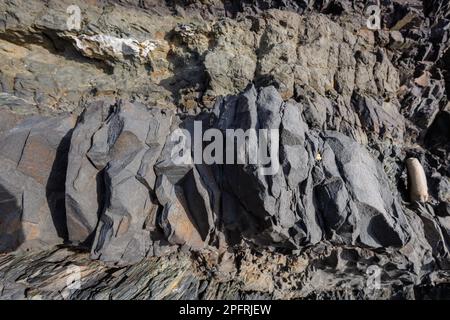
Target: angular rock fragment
[189,195]
[33,162]
[343,194]
[124,230]
[106,47]
[380,118]
[84,181]
[111,181]
[371,211]
[309,221]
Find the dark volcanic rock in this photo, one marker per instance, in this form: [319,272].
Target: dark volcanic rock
[83,178]
[329,186]
[126,148]
[122,179]
[33,159]
[111,181]
[328,110]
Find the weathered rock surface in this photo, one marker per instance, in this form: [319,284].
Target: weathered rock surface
[33,158]
[329,186]
[126,148]
[82,176]
[110,180]
[89,118]
[322,272]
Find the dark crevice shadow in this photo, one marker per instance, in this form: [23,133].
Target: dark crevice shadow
[190,199]
[444,64]
[55,189]
[11,233]
[437,135]
[194,206]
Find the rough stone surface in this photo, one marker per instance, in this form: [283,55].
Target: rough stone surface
[322,272]
[343,196]
[89,119]
[33,162]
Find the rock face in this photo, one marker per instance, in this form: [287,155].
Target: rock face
[329,187]
[225,149]
[33,166]
[127,148]
[124,185]
[110,181]
[311,275]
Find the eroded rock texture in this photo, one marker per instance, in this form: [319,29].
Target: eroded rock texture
[88,123]
[33,168]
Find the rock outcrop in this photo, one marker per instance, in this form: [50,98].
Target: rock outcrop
[308,118]
[33,161]
[329,186]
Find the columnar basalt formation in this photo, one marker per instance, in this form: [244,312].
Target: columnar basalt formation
[89,121]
